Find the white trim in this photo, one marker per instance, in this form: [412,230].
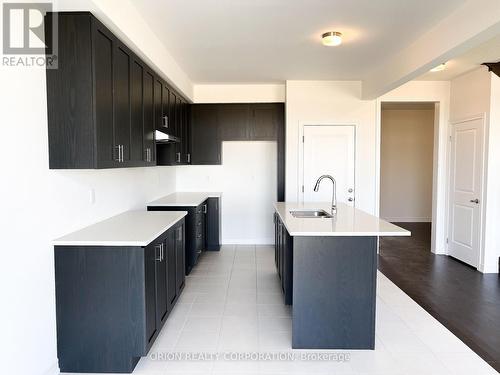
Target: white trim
[53,369]
[300,148]
[408,219]
[245,241]
[482,199]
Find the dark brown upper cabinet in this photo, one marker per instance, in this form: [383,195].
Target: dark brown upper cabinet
[265,120]
[149,117]
[103,102]
[205,140]
[234,121]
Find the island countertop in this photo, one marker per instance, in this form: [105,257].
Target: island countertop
[348,221]
[131,228]
[183,199]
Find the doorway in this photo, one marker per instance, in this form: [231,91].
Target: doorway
[406,165]
[330,150]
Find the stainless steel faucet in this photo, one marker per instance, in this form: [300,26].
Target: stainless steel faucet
[334,195]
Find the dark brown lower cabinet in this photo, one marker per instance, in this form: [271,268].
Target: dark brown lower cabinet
[200,229]
[284,258]
[112,301]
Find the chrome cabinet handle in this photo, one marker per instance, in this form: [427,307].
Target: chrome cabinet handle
[350,190]
[204,208]
[165,121]
[198,236]
[117,148]
[121,159]
[188,157]
[350,199]
[178,157]
[476,201]
[158,254]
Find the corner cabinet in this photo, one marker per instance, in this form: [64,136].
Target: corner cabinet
[112,301]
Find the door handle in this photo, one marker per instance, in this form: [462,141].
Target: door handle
[350,199]
[476,201]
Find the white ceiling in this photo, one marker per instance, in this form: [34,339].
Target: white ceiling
[472,59]
[237,41]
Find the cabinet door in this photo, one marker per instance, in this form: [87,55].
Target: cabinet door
[158,97]
[180,257]
[205,141]
[102,51]
[179,149]
[167,124]
[137,154]
[171,268]
[150,290]
[172,112]
[233,121]
[121,102]
[213,224]
[149,115]
[264,122]
[161,283]
[186,135]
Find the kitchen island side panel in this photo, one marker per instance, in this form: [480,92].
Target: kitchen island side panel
[334,292]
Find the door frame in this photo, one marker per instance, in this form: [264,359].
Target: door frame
[440,167]
[482,197]
[300,169]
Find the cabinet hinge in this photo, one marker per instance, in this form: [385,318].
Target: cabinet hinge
[302,188]
[450,138]
[303,139]
[447,240]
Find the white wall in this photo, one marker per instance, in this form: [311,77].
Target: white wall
[332,103]
[477,93]
[239,93]
[439,93]
[247,179]
[406,171]
[38,205]
[492,214]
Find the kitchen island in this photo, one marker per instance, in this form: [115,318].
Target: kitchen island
[328,272]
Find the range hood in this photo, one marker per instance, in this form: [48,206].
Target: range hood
[163,137]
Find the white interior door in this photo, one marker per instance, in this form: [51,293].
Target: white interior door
[465,191]
[329,149]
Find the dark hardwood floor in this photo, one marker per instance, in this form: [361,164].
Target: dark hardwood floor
[461,298]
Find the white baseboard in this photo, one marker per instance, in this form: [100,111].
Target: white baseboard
[53,370]
[245,241]
[408,219]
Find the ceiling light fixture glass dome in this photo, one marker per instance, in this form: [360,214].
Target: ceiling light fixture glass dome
[331,38]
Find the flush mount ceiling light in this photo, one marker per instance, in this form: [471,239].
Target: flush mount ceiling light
[439,68]
[331,39]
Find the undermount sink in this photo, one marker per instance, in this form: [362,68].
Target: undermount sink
[311,214]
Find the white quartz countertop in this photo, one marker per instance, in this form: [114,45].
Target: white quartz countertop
[348,221]
[131,228]
[184,199]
